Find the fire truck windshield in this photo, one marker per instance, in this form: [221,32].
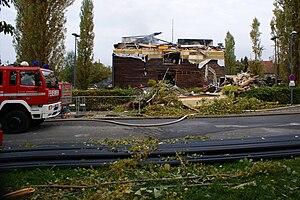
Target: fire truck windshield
[50,78]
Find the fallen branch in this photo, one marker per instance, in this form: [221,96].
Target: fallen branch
[181,161]
[19,193]
[242,186]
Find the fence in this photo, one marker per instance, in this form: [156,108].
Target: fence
[104,103]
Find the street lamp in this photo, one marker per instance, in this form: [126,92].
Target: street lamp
[75,60]
[291,63]
[291,49]
[276,64]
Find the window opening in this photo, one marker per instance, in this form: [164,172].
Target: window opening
[27,78]
[171,58]
[13,78]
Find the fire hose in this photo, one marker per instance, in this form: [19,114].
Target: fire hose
[123,123]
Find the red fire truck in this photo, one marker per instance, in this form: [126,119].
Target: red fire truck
[28,96]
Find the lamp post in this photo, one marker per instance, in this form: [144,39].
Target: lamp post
[75,59]
[291,62]
[276,61]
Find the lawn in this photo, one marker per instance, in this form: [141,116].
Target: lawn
[244,179]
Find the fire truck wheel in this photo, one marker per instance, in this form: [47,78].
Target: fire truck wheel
[15,121]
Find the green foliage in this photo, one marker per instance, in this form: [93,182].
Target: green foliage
[162,110]
[256,67]
[40,31]
[102,100]
[162,100]
[245,62]
[230,57]
[99,72]
[67,71]
[85,45]
[230,90]
[244,179]
[239,66]
[273,94]
[230,106]
[5,27]
[113,92]
[162,93]
[255,34]
[151,82]
[286,19]
[196,90]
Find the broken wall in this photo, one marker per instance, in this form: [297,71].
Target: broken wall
[186,67]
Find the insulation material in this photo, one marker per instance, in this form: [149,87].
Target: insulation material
[220,62]
[135,56]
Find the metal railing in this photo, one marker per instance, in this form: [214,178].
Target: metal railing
[82,104]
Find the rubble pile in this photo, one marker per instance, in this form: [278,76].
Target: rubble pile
[244,80]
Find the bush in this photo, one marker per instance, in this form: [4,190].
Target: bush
[114,92]
[274,94]
[162,93]
[231,106]
[230,90]
[100,100]
[196,90]
[163,110]
[152,82]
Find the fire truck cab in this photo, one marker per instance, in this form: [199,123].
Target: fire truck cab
[28,96]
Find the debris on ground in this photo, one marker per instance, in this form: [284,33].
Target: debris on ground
[244,80]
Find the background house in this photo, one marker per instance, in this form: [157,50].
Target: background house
[187,64]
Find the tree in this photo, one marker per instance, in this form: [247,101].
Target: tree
[40,31]
[5,27]
[230,58]
[67,72]
[256,66]
[85,45]
[286,19]
[255,38]
[239,67]
[245,62]
[99,72]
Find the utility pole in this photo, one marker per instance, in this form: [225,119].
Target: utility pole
[75,59]
[292,77]
[276,60]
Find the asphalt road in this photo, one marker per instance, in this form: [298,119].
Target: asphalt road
[215,128]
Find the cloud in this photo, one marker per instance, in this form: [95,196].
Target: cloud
[193,19]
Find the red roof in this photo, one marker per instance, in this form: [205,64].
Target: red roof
[269,68]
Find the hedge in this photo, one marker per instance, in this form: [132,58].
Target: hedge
[103,92]
[97,100]
[279,94]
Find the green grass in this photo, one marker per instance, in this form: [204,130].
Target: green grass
[277,179]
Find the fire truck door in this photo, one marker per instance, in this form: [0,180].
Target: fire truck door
[29,90]
[10,85]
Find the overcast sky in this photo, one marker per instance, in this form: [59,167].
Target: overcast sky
[200,19]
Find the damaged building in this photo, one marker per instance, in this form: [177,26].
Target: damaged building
[187,64]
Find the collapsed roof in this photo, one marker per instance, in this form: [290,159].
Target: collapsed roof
[144,47]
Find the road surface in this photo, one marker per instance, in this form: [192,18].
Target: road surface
[215,128]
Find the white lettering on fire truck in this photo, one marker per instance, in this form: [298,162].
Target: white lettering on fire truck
[53,93]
